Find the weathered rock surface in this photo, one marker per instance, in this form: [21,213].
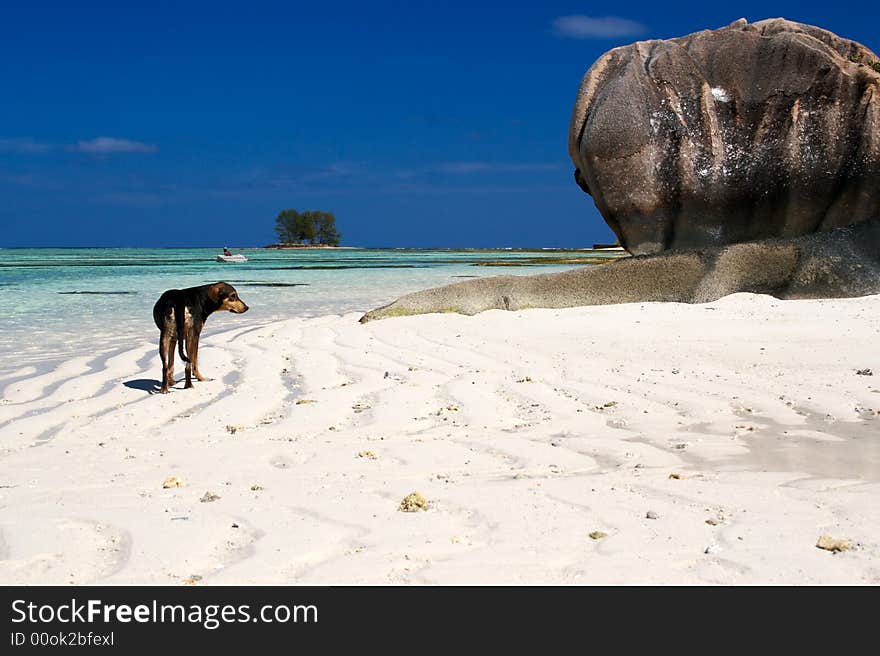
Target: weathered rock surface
[745,159]
[843,262]
[752,131]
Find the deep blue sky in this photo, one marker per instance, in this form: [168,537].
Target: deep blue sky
[417,123]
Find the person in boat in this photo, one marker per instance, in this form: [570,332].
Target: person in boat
[226,251]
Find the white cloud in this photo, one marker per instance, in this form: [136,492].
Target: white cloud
[108,145]
[22,145]
[586,27]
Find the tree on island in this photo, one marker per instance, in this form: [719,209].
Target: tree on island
[325,228]
[317,227]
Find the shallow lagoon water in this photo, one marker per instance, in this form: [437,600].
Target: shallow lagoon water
[58,303]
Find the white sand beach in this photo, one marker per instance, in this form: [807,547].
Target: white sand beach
[711,444]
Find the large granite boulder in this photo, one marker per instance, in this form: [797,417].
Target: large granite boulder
[751,131]
[839,263]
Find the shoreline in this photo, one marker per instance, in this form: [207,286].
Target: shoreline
[277,283]
[526,431]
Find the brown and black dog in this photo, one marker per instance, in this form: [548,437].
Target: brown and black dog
[180,314]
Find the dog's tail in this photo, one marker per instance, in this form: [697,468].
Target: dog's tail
[179,311]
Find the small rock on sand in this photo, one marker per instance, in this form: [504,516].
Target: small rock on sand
[367,454]
[598,535]
[829,543]
[208,497]
[675,476]
[865,413]
[172,482]
[413,502]
[651,515]
[305,401]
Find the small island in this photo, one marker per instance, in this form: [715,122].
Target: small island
[308,229]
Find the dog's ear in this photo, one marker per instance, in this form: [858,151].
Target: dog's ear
[214,291]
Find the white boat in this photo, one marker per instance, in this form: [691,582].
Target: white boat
[232,259]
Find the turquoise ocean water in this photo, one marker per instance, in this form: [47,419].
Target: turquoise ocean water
[58,303]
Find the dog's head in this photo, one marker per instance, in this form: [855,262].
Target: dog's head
[227,298]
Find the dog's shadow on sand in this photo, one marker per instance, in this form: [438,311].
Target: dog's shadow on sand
[144,384]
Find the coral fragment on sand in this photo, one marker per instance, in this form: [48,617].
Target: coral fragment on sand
[413,502]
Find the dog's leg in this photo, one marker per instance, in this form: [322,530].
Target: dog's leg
[194,355]
[188,384]
[164,343]
[172,345]
[188,342]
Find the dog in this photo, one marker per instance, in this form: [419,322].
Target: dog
[180,315]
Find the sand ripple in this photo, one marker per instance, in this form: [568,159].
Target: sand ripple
[526,431]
